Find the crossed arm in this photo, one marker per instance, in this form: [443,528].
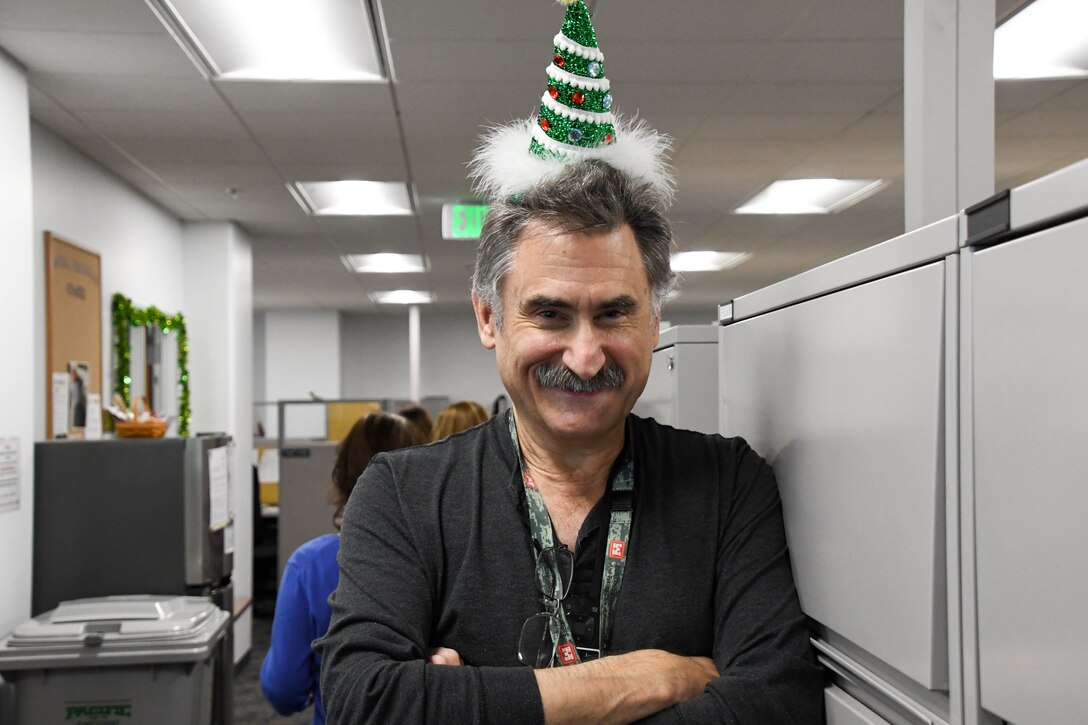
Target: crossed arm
[618,689]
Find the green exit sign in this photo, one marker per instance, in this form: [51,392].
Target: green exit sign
[462,221]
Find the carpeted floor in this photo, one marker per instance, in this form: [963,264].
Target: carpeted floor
[249,704]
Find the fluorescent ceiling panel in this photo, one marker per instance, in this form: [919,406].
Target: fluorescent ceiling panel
[276,40]
[703,261]
[1047,39]
[353,198]
[402,297]
[385,263]
[810,196]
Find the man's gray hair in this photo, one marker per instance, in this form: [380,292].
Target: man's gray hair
[588,196]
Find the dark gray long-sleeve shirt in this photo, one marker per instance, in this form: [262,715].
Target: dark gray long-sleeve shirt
[436,551]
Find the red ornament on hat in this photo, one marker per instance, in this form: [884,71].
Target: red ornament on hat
[544,123]
[558,60]
[578,97]
[553,91]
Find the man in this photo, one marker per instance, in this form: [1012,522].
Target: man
[674,550]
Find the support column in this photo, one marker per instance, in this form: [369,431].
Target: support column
[413,353]
[219,318]
[20,358]
[948,107]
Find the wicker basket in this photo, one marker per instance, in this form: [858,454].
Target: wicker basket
[154,428]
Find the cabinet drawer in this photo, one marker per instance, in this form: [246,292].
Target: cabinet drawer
[842,709]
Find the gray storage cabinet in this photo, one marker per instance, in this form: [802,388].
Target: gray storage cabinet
[682,388]
[1028,412]
[840,377]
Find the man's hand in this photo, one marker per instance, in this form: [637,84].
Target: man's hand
[443,656]
[623,688]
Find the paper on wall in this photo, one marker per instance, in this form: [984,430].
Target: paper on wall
[9,474]
[92,429]
[219,485]
[268,466]
[60,404]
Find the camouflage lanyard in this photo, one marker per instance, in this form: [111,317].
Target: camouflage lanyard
[619,532]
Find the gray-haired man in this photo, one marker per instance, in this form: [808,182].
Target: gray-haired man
[568,531]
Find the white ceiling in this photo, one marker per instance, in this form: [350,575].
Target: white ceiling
[751,92]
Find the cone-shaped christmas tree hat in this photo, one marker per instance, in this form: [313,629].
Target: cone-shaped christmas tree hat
[575,112]
[574,122]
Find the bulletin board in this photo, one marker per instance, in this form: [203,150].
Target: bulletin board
[73,329]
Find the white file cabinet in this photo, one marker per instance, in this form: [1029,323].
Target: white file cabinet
[840,378]
[682,389]
[1028,412]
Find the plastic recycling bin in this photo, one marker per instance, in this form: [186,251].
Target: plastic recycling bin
[123,660]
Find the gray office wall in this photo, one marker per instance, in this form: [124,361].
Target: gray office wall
[374,354]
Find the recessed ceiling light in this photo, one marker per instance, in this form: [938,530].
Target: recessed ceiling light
[278,40]
[402,297]
[385,263]
[810,196]
[1047,39]
[352,198]
[703,261]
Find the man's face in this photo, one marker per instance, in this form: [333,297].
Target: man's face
[580,302]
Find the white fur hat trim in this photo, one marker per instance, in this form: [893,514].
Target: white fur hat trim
[503,166]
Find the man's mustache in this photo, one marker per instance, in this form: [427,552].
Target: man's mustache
[557,375]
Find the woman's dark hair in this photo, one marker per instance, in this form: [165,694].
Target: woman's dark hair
[373,434]
[418,416]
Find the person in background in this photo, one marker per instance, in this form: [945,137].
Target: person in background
[457,417]
[418,416]
[289,674]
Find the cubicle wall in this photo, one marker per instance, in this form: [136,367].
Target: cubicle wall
[924,403]
[682,388]
[1026,410]
[306,507]
[840,378]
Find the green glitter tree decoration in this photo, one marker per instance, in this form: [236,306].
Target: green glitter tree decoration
[575,111]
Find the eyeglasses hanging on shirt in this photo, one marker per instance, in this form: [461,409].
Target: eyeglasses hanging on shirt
[550,630]
[541,632]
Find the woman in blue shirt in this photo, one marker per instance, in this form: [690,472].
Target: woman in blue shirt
[289,674]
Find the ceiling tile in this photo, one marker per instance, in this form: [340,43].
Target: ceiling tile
[269,96]
[79,53]
[165,125]
[849,19]
[80,16]
[190,149]
[842,61]
[127,93]
[484,20]
[377,152]
[699,20]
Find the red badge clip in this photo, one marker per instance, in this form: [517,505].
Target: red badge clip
[567,654]
[617,549]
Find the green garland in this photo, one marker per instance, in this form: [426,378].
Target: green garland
[126,316]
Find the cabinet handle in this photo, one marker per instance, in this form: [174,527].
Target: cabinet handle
[672,362]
